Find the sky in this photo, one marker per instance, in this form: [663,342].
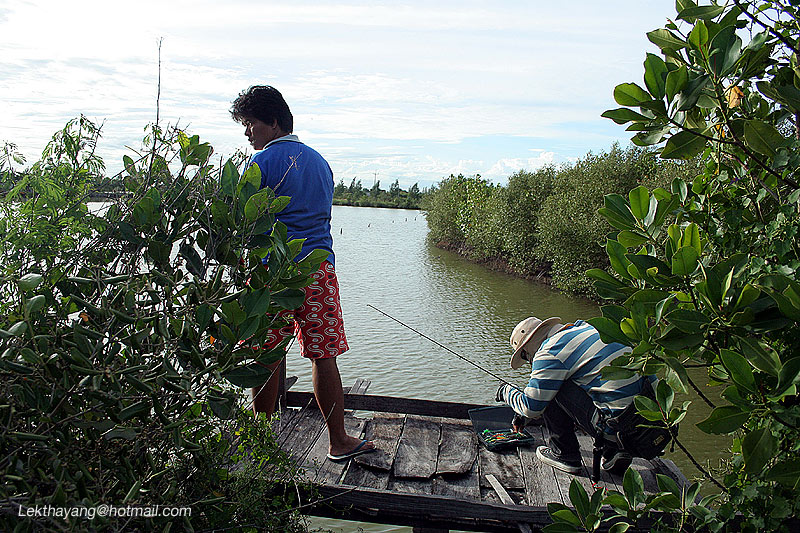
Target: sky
[409,90]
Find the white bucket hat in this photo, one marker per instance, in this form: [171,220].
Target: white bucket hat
[528,335]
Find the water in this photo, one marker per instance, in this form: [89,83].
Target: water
[382,260]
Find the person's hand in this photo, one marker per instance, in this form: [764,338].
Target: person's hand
[518,423]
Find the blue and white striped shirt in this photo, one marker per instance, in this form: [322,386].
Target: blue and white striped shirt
[575,353]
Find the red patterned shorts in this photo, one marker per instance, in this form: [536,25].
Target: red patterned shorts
[318,323]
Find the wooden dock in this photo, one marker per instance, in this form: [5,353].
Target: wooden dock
[430,472]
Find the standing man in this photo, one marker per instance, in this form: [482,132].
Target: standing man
[291,168]
[566,388]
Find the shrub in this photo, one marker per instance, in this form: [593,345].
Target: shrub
[127,330]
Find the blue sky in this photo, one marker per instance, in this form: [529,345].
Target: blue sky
[412,91]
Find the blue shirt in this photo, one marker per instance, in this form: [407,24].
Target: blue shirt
[575,353]
[290,168]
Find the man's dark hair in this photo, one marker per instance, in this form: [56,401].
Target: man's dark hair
[265,103]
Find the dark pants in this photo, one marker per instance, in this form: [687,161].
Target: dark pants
[572,405]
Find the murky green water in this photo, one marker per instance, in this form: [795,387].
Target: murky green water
[382,260]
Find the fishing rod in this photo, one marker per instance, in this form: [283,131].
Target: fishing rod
[440,345]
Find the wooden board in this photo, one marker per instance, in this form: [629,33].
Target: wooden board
[411,485]
[361,476]
[504,465]
[418,448]
[465,486]
[458,449]
[539,479]
[384,431]
[330,472]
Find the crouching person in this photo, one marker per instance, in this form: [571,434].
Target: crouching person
[566,389]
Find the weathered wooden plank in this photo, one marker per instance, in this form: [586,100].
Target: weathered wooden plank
[505,497]
[418,448]
[330,472]
[445,508]
[411,485]
[458,449]
[539,479]
[504,465]
[460,486]
[384,431]
[304,441]
[361,476]
[463,486]
[390,404]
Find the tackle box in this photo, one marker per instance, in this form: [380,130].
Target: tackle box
[497,419]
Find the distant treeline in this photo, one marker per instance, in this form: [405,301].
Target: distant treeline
[544,223]
[395,197]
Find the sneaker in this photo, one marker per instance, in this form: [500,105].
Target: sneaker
[617,463]
[546,455]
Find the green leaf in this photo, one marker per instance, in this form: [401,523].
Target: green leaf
[698,37]
[34,304]
[29,281]
[639,201]
[631,239]
[683,145]
[279,204]
[566,516]
[676,82]
[682,377]
[738,369]
[789,375]
[675,339]
[258,204]
[724,420]
[616,255]
[688,320]
[664,396]
[690,14]
[615,499]
[579,498]
[786,472]
[758,447]
[666,40]
[691,237]
[289,298]
[619,527]
[252,375]
[120,432]
[633,486]
[725,51]
[623,115]
[609,330]
[655,75]
[630,94]
[252,177]
[759,355]
[222,404]
[763,137]
[684,262]
[694,88]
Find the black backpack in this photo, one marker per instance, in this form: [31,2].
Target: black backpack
[645,442]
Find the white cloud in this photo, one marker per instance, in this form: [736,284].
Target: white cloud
[420,89]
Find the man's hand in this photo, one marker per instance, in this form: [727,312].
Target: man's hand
[518,423]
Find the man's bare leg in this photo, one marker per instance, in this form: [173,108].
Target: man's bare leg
[330,398]
[264,397]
